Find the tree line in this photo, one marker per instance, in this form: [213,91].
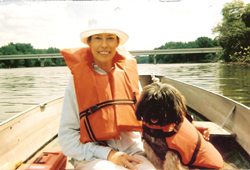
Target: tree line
[201,42]
[233,36]
[27,48]
[234,32]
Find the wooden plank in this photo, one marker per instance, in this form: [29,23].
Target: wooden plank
[215,130]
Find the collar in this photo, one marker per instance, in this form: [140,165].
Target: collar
[99,70]
[160,132]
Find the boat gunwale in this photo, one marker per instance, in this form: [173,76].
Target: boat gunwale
[28,110]
[217,94]
[18,126]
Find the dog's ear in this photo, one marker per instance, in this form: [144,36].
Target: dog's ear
[138,111]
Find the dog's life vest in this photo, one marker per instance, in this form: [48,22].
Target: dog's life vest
[185,140]
[106,103]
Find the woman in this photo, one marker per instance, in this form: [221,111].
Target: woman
[98,121]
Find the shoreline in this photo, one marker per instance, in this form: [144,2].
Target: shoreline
[237,63]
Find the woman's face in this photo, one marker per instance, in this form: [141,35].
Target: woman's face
[103,47]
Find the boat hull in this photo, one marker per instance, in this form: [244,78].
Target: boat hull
[24,134]
[226,113]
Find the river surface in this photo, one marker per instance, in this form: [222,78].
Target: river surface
[23,88]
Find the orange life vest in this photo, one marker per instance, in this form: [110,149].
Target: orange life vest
[106,103]
[185,140]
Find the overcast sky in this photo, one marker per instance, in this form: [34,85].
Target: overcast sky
[149,23]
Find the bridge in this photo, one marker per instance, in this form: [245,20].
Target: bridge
[42,57]
[177,51]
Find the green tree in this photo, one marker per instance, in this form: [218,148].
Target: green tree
[9,49]
[201,42]
[24,48]
[234,31]
[31,63]
[27,48]
[246,15]
[216,42]
[52,50]
[151,59]
[242,56]
[40,51]
[142,59]
[59,62]
[49,62]
[204,42]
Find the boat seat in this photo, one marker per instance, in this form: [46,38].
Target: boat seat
[216,130]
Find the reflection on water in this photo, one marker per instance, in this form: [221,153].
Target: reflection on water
[237,86]
[230,81]
[203,75]
[22,88]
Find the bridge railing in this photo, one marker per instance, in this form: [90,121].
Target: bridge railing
[177,51]
[30,56]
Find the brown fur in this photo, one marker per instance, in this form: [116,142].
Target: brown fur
[164,103]
[171,162]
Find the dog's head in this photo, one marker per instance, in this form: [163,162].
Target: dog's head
[160,104]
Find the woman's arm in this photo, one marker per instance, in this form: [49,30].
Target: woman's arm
[69,131]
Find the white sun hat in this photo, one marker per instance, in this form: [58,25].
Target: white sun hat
[104,24]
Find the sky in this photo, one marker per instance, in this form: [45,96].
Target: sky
[149,23]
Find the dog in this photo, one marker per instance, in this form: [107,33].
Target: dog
[169,138]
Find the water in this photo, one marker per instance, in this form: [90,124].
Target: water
[23,88]
[229,80]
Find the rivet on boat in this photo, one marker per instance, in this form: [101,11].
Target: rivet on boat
[42,106]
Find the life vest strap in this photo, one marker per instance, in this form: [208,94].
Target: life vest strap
[98,106]
[159,133]
[197,148]
[89,130]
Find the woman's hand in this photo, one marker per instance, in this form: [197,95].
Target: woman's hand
[122,159]
[203,129]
